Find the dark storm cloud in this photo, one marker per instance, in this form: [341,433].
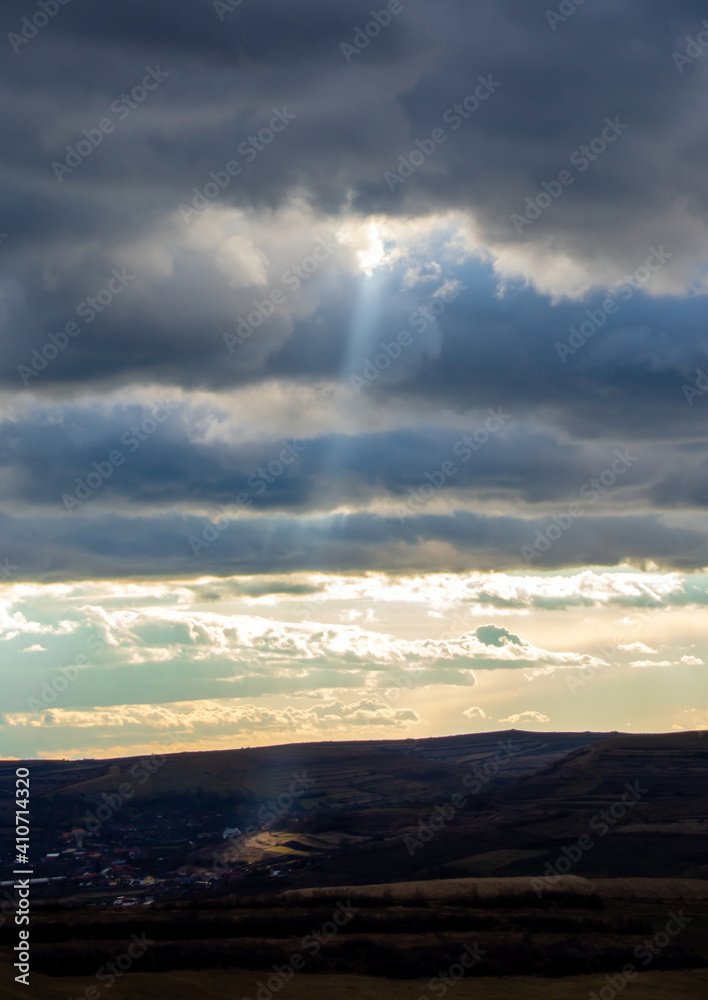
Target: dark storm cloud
[625,379]
[115,213]
[355,119]
[625,376]
[222,81]
[65,548]
[151,457]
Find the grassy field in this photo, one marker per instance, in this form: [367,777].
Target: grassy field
[483,864]
[668,889]
[401,932]
[239,983]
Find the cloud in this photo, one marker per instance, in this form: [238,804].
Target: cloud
[179,652]
[393,94]
[106,546]
[494,635]
[14,624]
[527,716]
[481,593]
[229,715]
[636,647]
[307,302]
[475,713]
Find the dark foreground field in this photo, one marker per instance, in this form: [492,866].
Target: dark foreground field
[382,879]
[238,984]
[408,939]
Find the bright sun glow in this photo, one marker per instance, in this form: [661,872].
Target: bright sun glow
[374,254]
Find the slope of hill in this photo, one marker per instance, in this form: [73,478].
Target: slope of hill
[495,804]
[231,786]
[557,854]
[262,771]
[630,805]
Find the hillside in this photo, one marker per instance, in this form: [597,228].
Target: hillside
[339,793]
[641,802]
[558,856]
[499,804]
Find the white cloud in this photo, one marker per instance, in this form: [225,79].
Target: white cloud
[246,645]
[440,592]
[229,714]
[475,713]
[14,624]
[528,716]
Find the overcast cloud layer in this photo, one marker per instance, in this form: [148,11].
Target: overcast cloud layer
[283,294]
[485,302]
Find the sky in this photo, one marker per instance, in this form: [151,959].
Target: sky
[353,371]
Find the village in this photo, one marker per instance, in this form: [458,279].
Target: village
[131,864]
